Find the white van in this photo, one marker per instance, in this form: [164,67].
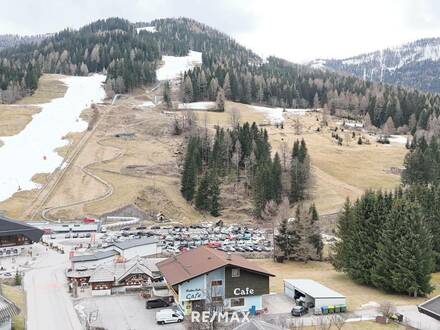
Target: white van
[168,316]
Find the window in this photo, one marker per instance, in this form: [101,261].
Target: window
[216,283]
[237,302]
[235,272]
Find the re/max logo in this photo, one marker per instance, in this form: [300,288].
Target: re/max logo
[206,316]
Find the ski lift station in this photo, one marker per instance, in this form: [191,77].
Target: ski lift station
[313,294]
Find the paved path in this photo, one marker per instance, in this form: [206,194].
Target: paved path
[49,306]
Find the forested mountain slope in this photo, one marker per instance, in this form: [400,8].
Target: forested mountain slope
[416,64]
[129,58]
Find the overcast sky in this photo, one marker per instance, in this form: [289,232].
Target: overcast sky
[297,30]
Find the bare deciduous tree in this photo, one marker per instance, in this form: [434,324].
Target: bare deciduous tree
[234,117]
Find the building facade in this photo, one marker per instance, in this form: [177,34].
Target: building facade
[208,279]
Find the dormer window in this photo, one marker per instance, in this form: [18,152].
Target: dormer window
[235,272]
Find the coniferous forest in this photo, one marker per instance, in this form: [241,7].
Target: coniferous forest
[129,59]
[242,153]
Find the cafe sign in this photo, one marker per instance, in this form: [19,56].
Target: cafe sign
[244,292]
[193,294]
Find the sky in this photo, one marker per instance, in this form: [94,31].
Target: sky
[297,30]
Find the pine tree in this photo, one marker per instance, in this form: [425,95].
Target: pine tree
[214,196]
[405,257]
[227,87]
[202,196]
[277,187]
[187,90]
[189,177]
[220,100]
[167,94]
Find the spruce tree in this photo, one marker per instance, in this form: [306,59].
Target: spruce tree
[214,196]
[202,197]
[405,258]
[277,187]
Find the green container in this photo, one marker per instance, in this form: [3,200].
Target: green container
[331,309]
[343,308]
[324,310]
[337,308]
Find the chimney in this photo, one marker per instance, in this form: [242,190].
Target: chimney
[228,256]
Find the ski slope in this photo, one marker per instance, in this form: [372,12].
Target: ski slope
[175,65]
[32,150]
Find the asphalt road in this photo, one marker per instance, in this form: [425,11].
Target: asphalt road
[49,306]
[131,313]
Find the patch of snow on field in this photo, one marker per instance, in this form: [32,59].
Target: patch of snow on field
[151,29]
[175,65]
[147,104]
[197,106]
[276,115]
[32,150]
[400,139]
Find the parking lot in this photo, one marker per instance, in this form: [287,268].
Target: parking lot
[121,312]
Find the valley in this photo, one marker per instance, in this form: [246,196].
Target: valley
[131,157]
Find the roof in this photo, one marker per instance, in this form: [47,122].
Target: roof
[313,288]
[94,257]
[102,274]
[11,227]
[431,307]
[110,272]
[7,309]
[201,260]
[141,267]
[256,325]
[128,244]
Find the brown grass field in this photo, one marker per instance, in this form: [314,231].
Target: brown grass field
[323,272]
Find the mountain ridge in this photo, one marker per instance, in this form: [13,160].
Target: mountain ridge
[415,65]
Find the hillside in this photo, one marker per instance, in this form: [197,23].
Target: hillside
[12,40]
[129,56]
[415,64]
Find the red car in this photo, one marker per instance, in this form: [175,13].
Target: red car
[88,220]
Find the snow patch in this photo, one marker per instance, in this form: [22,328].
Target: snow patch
[400,139]
[276,115]
[151,29]
[197,106]
[32,150]
[148,104]
[175,65]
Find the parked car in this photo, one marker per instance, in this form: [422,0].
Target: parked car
[52,236]
[299,310]
[67,235]
[75,235]
[156,303]
[87,235]
[168,316]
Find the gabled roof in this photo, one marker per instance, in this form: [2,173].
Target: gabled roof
[431,307]
[138,268]
[201,260]
[7,309]
[94,257]
[11,227]
[128,244]
[102,274]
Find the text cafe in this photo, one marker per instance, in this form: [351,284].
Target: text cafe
[206,278]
